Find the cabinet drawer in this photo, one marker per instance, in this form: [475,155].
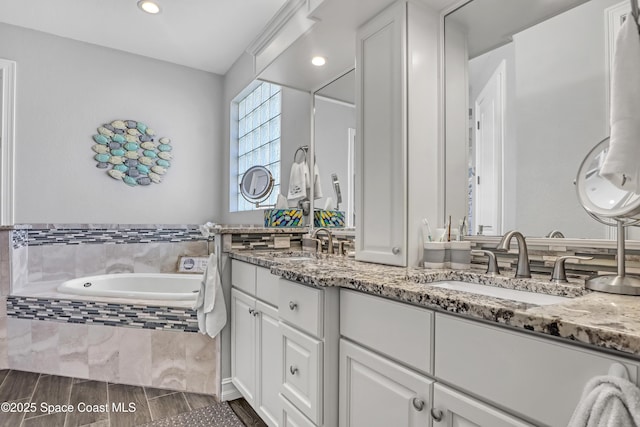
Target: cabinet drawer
[302,372]
[301,306]
[400,331]
[291,417]
[267,286]
[243,276]
[517,371]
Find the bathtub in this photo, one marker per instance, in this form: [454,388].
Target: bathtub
[142,286]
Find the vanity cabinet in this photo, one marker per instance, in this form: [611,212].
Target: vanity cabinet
[396,118]
[534,377]
[309,325]
[452,408]
[255,339]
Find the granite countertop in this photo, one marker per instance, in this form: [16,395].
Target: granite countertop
[594,318]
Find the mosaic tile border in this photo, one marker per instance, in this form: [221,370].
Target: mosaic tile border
[102,313]
[76,236]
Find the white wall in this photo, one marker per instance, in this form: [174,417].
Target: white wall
[295,131]
[332,123]
[562,110]
[66,89]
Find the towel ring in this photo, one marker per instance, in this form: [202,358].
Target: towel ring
[304,150]
[619,370]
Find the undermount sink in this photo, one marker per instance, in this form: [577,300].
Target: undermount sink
[504,293]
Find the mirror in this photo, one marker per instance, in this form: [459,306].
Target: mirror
[7,123]
[598,195]
[526,97]
[256,185]
[334,144]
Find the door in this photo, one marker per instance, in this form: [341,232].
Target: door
[376,392]
[454,409]
[489,133]
[243,344]
[381,140]
[268,360]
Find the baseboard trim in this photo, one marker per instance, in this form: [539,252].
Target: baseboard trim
[229,391]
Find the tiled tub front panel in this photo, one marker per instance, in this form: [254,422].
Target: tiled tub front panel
[151,345]
[156,358]
[102,313]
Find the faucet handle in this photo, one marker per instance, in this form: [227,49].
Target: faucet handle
[559,274]
[492,264]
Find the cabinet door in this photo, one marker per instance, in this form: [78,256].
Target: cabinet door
[381,144]
[451,408]
[243,344]
[376,392]
[269,359]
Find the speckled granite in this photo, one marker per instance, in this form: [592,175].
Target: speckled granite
[598,319]
[248,229]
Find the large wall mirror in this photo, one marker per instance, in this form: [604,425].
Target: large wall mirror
[7,126]
[334,143]
[526,98]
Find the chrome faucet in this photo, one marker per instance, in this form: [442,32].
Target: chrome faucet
[522,269]
[555,233]
[329,239]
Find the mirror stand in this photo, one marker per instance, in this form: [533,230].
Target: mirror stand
[620,283]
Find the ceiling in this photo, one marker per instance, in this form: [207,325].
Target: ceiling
[207,35]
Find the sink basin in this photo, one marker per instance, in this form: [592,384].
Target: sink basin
[504,293]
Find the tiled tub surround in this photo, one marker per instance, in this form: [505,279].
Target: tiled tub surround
[596,319]
[127,341]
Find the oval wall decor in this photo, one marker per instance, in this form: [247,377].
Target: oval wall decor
[129,152]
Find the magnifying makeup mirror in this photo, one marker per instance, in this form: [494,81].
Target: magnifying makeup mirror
[256,185]
[611,206]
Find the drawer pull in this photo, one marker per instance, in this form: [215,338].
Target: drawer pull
[418,404]
[436,414]
[292,305]
[293,370]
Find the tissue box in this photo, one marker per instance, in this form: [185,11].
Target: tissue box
[329,219]
[283,218]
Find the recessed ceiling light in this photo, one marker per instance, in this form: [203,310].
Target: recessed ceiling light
[149,6]
[318,61]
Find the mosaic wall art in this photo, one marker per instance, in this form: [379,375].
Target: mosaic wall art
[129,152]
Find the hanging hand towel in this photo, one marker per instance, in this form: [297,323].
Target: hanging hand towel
[210,306]
[298,180]
[608,401]
[621,166]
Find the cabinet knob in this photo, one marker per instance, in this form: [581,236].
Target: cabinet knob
[293,370]
[292,305]
[395,250]
[255,313]
[418,404]
[436,414]
[251,311]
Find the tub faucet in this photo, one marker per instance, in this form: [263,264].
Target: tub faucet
[329,239]
[522,269]
[555,233]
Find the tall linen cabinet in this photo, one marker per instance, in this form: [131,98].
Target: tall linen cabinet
[397,172]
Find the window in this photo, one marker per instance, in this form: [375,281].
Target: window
[258,137]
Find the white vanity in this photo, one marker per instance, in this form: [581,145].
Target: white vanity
[321,354]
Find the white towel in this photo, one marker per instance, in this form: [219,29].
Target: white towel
[298,181]
[317,186]
[621,166]
[210,306]
[608,401]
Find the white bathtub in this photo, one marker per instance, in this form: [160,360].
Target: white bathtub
[142,286]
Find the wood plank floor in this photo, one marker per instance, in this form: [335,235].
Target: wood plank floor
[246,413]
[134,405]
